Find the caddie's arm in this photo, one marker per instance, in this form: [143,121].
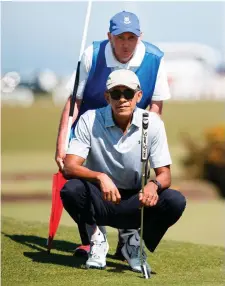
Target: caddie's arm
[156,106]
[161,91]
[62,130]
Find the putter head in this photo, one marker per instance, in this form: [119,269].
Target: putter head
[145,271]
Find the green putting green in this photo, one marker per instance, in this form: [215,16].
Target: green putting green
[26,262]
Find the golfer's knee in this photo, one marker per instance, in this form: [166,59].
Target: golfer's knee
[71,189]
[177,203]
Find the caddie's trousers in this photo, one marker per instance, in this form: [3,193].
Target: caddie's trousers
[84,203]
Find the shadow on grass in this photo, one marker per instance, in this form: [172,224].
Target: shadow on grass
[112,256]
[71,261]
[41,255]
[38,243]
[56,259]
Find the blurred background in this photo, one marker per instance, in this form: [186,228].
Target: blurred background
[40,45]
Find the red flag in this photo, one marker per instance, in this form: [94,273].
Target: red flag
[57,184]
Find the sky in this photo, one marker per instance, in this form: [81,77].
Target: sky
[39,35]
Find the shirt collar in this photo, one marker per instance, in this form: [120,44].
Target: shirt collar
[137,117]
[136,120]
[135,61]
[109,122]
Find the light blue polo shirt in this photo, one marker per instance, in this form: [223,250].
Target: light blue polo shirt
[107,150]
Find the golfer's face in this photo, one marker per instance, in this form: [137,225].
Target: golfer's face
[123,100]
[124,45]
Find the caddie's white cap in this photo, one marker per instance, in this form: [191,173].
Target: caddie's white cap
[123,77]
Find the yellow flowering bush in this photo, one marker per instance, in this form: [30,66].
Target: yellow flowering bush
[207,161]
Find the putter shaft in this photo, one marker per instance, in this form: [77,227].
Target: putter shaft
[144,159]
[144,269]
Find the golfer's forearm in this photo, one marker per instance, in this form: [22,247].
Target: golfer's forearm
[72,172]
[164,178]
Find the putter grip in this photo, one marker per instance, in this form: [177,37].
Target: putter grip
[144,137]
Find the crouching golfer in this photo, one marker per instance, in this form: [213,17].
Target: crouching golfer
[105,190]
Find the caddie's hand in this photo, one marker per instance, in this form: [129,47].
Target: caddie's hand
[149,197]
[59,158]
[109,190]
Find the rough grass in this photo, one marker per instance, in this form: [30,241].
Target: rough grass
[28,141]
[191,117]
[27,187]
[28,162]
[25,261]
[35,128]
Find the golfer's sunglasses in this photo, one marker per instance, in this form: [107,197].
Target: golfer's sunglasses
[127,93]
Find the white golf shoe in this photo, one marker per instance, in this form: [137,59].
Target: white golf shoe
[131,251]
[98,251]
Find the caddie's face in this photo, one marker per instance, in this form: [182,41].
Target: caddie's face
[123,100]
[123,45]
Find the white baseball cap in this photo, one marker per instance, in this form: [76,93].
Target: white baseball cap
[123,77]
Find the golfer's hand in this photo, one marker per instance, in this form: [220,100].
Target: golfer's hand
[108,188]
[149,197]
[59,157]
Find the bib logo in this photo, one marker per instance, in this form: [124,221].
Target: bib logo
[126,20]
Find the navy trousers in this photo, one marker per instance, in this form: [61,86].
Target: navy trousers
[84,203]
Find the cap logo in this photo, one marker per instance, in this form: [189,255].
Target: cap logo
[126,20]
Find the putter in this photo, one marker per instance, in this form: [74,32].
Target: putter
[144,157]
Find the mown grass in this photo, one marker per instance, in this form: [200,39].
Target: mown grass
[25,261]
[192,227]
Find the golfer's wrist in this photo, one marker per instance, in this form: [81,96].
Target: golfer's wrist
[100,177]
[156,184]
[152,186]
